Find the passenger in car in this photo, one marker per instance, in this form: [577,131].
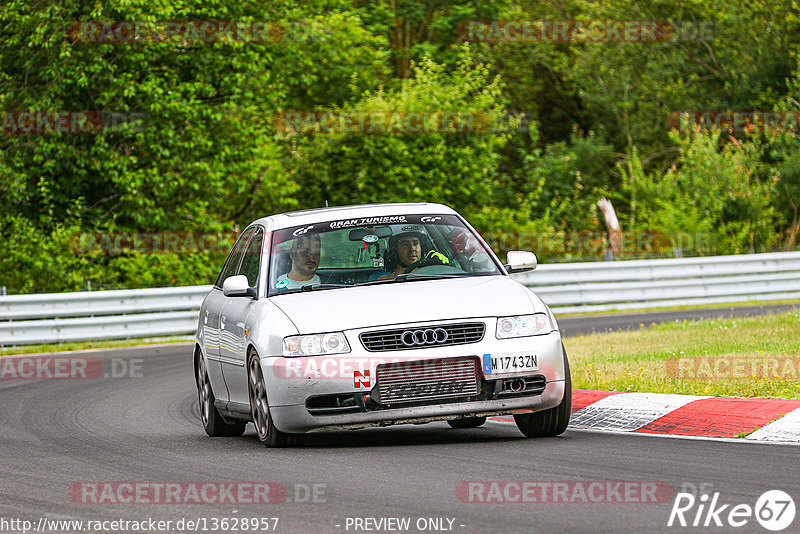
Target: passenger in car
[305,255]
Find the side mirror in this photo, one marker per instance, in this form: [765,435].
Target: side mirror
[238,286]
[520,261]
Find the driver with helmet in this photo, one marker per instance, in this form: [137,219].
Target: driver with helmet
[404,250]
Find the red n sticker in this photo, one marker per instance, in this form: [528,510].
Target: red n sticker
[361,380]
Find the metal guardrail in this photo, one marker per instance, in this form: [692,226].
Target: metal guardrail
[88,303]
[566,288]
[640,284]
[99,315]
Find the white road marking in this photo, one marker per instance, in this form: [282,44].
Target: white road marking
[628,411]
[787,428]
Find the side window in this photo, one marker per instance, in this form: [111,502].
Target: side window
[252,257]
[232,265]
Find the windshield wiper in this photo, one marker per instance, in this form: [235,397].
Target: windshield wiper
[411,276]
[374,282]
[323,286]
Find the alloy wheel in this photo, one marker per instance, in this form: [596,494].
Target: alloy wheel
[259,408]
[203,392]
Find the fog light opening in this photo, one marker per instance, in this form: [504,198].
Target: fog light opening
[514,385]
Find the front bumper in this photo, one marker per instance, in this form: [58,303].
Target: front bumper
[291,381]
[296,418]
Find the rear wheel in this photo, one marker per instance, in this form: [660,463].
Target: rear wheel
[259,409]
[213,423]
[467,422]
[554,421]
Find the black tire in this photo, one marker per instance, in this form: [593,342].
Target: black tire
[467,422]
[213,422]
[552,422]
[259,409]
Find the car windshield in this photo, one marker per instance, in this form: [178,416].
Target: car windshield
[376,250]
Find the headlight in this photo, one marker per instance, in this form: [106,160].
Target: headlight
[523,325]
[315,344]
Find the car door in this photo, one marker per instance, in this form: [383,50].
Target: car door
[211,314]
[233,321]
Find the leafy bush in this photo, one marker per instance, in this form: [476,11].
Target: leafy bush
[714,190]
[36,261]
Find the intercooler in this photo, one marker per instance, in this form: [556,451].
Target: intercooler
[427,381]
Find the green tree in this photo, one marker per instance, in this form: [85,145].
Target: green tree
[438,166]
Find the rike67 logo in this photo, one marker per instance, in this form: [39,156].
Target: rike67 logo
[774,510]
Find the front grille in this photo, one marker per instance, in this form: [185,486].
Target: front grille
[426,381]
[422,336]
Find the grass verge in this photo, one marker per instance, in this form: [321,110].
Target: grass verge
[741,357]
[700,307]
[84,345]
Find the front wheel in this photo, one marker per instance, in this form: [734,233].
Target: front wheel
[259,409]
[213,423]
[554,421]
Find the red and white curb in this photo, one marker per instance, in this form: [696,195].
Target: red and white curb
[685,415]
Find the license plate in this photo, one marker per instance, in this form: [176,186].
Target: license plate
[510,363]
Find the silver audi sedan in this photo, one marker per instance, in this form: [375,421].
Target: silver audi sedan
[359,316]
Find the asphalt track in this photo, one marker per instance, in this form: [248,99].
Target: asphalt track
[57,433]
[587,324]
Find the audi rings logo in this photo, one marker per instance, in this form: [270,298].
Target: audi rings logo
[429,336]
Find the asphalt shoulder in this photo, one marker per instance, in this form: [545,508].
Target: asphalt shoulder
[576,326]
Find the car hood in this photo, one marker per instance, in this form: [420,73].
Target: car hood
[407,302]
